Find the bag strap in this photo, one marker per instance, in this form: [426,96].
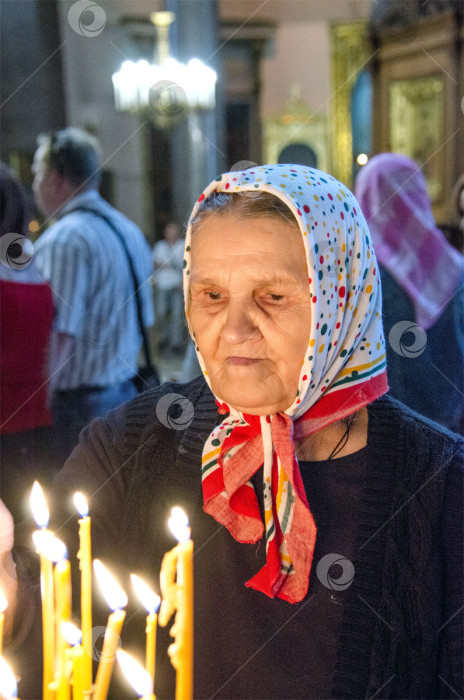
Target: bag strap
[143,332]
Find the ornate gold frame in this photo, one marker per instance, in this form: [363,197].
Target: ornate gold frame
[350,53]
[416,125]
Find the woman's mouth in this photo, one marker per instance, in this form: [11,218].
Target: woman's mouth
[241,361]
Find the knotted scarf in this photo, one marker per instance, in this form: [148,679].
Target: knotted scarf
[342,371]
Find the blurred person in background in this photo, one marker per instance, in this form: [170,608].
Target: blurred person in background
[85,257]
[26,315]
[168,256]
[423,290]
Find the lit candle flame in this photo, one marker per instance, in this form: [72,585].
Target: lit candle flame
[49,546]
[3,602]
[112,591]
[179,524]
[71,633]
[39,505]
[139,679]
[8,686]
[149,599]
[80,502]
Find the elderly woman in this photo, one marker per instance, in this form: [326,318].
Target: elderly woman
[422,288]
[326,515]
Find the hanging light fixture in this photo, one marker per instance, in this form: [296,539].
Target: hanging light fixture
[166,89]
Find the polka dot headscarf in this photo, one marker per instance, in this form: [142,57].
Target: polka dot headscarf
[343,370]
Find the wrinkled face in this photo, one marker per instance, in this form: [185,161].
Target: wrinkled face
[250,309]
[44,183]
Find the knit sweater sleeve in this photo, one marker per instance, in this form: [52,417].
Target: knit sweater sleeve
[96,468]
[102,466]
[418,642]
[450,674]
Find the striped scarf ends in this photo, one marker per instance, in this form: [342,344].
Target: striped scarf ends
[234,451]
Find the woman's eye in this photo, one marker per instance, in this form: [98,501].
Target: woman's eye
[214,296]
[276,297]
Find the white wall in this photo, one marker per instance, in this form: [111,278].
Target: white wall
[88,64]
[299,54]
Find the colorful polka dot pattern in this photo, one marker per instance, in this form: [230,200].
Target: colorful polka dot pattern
[345,350]
[346,344]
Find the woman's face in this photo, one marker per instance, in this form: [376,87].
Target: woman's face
[250,309]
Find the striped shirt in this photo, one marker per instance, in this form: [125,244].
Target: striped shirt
[93,291]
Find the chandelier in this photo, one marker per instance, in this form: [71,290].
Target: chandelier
[164,90]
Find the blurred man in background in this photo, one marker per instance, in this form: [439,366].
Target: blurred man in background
[84,256]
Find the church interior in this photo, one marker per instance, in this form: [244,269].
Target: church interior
[176,93]
[327,84]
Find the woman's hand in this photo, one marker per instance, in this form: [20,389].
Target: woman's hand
[8,581]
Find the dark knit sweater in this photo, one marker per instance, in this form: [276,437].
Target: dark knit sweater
[401,632]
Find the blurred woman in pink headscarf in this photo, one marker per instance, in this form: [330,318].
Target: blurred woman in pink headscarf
[423,290]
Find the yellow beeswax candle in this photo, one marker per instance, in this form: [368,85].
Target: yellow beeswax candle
[52,550]
[184,680]
[62,581]
[178,596]
[41,516]
[150,600]
[116,599]
[48,624]
[78,672]
[150,630]
[138,677]
[85,565]
[108,655]
[75,657]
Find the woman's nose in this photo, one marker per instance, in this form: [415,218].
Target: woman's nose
[239,324]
